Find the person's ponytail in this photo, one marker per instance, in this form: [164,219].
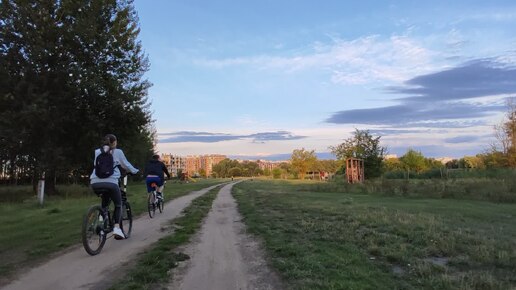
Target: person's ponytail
[109,140]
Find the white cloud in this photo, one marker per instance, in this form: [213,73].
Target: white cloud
[362,60]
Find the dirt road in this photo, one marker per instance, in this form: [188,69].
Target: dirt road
[223,256]
[78,270]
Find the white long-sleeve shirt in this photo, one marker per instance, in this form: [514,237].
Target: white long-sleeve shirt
[118,159]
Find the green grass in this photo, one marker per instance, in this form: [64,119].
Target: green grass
[487,189]
[329,240]
[152,267]
[30,233]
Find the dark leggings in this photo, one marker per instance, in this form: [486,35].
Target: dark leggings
[114,194]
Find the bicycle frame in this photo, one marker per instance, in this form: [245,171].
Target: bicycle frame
[153,201]
[154,191]
[107,214]
[124,183]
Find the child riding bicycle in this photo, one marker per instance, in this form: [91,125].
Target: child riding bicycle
[154,173]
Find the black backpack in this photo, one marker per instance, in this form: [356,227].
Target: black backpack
[104,164]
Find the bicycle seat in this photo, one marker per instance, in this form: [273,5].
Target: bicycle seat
[153,184]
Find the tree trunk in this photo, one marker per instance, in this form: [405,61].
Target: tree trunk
[50,181]
[12,169]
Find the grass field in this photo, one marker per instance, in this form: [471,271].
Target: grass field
[329,240]
[29,233]
[485,189]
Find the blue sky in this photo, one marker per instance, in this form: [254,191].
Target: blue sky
[262,78]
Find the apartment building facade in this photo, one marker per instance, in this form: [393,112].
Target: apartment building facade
[208,161]
[268,165]
[193,165]
[174,163]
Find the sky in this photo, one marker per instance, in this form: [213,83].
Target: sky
[258,79]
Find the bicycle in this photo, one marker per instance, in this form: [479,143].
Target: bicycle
[97,223]
[155,202]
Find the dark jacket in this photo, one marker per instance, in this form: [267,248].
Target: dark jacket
[156,167]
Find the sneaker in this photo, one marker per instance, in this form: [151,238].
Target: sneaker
[119,235]
[160,196]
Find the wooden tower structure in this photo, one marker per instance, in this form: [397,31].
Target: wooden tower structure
[354,170]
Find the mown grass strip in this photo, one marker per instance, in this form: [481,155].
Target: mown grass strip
[30,233]
[328,240]
[153,266]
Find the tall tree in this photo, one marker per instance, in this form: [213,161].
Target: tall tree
[364,146]
[285,169]
[414,161]
[250,168]
[505,133]
[302,161]
[510,132]
[222,169]
[74,73]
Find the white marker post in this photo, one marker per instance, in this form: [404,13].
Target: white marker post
[41,189]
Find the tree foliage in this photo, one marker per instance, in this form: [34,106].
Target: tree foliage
[327,165]
[364,146]
[503,152]
[474,162]
[414,161]
[276,173]
[71,71]
[222,168]
[233,168]
[506,134]
[393,164]
[303,161]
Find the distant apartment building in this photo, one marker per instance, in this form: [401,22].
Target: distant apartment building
[269,165]
[197,163]
[174,163]
[193,165]
[208,161]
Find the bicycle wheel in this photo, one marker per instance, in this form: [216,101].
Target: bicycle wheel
[93,234]
[161,204]
[152,205]
[127,219]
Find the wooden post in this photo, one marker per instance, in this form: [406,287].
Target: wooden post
[354,170]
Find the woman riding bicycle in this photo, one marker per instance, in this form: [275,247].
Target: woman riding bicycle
[154,174]
[109,180]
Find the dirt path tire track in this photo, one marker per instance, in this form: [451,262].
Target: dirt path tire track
[78,270]
[223,256]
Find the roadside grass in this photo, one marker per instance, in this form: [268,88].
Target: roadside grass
[153,266]
[15,193]
[328,240]
[30,233]
[487,189]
